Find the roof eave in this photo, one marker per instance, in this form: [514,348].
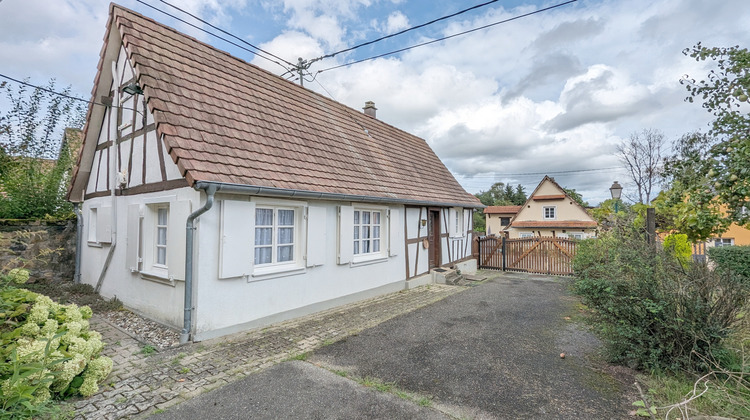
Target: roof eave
[316,195]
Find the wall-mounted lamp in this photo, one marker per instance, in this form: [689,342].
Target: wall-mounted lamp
[133,89]
[423,222]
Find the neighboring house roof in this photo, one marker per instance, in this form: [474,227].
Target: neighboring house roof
[227,121]
[548,224]
[502,209]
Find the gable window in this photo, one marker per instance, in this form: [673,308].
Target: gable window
[723,241]
[549,212]
[275,235]
[367,231]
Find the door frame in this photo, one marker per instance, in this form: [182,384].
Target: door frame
[434,237]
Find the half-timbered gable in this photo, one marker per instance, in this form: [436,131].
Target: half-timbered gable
[550,211]
[206,180]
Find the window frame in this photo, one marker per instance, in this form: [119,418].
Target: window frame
[275,228]
[151,268]
[554,212]
[383,227]
[271,270]
[155,242]
[720,242]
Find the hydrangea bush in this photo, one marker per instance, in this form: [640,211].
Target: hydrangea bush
[46,349]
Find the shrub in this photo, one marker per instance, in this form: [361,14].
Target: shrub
[651,311]
[734,259]
[46,349]
[677,244]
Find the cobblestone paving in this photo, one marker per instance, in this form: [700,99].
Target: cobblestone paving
[141,384]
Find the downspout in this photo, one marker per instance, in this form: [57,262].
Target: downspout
[112,180]
[79,238]
[189,229]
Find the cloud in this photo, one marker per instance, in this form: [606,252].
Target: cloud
[601,95]
[396,21]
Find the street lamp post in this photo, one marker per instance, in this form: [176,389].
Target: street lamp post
[616,191]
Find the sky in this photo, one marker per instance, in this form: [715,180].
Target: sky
[550,93]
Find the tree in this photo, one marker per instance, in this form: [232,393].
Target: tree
[31,131]
[500,194]
[725,94]
[689,203]
[576,196]
[642,154]
[709,176]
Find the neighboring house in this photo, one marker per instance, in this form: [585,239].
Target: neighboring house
[213,186]
[498,218]
[549,211]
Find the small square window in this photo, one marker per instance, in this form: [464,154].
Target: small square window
[549,213]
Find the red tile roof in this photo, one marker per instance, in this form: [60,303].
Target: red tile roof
[548,197]
[225,120]
[554,224]
[502,209]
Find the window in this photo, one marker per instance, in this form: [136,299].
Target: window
[548,212]
[274,235]
[525,235]
[575,235]
[723,241]
[367,230]
[160,247]
[504,221]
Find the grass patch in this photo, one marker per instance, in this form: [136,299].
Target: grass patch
[300,356]
[341,373]
[377,384]
[148,349]
[177,358]
[185,370]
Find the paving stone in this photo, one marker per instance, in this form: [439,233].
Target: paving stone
[147,383]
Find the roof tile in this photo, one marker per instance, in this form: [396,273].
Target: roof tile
[229,121]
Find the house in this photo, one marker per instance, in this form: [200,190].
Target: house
[550,211]
[498,218]
[217,197]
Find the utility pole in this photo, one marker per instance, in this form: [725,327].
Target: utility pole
[302,65]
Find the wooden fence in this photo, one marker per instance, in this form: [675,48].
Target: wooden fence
[546,255]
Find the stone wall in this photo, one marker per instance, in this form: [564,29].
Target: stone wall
[46,249]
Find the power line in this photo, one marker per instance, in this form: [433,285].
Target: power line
[404,31]
[495,175]
[21,82]
[450,36]
[225,32]
[214,35]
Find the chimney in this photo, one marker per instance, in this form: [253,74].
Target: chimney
[370,108]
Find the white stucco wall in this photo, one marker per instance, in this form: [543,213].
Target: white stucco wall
[160,301]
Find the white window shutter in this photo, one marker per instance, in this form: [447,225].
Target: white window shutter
[104,225]
[396,232]
[346,234]
[178,214]
[133,240]
[316,236]
[237,239]
[452,222]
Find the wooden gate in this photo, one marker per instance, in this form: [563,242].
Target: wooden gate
[546,255]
